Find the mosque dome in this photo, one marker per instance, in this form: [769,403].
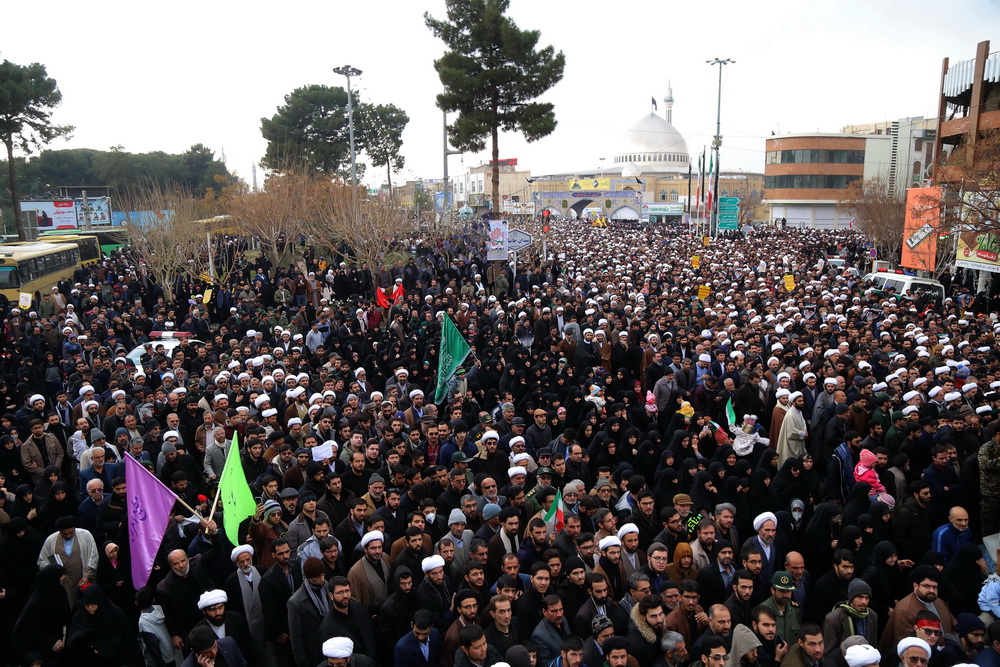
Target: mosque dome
[653,145]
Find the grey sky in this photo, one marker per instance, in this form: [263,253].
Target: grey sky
[151,79]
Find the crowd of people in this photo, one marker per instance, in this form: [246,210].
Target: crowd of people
[662,450]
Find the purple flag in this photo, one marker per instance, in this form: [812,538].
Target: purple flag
[149,508]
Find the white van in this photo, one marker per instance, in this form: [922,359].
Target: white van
[901,283]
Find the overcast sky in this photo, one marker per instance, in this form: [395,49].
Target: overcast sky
[165,77]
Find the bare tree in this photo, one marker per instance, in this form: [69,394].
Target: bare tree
[275,215]
[751,194]
[369,226]
[167,230]
[970,176]
[879,212]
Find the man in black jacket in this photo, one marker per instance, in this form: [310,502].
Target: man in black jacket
[276,587]
[348,618]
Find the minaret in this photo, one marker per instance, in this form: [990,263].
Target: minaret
[668,102]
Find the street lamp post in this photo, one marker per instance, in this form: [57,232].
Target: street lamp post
[349,71]
[716,145]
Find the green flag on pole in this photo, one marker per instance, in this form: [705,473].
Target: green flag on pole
[452,353]
[730,413]
[237,499]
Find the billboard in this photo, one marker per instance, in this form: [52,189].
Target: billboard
[518,207]
[439,202]
[588,184]
[663,209]
[141,219]
[920,224]
[496,245]
[52,214]
[100,211]
[979,250]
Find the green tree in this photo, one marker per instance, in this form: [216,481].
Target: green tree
[27,97]
[310,130]
[492,72]
[196,170]
[382,126]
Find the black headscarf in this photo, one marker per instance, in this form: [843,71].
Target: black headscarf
[19,556]
[93,634]
[761,499]
[966,578]
[820,532]
[885,580]
[40,624]
[857,503]
[702,498]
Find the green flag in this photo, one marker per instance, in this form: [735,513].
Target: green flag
[730,413]
[234,492]
[452,353]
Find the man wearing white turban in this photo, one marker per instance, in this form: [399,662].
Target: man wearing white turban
[369,576]
[243,590]
[792,435]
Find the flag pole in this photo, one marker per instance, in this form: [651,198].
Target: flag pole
[190,509]
[215,503]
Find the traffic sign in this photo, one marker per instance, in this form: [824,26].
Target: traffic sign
[729,201]
[518,239]
[725,226]
[873,253]
[723,217]
[729,208]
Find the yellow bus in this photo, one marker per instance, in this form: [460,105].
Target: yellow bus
[35,268]
[90,247]
[109,238]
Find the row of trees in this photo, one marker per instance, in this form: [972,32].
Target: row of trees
[330,215]
[196,170]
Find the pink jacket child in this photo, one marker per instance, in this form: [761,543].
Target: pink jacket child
[865,472]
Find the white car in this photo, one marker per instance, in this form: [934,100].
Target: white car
[168,339]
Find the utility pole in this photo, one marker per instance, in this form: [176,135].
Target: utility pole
[446,209]
[348,72]
[87,210]
[716,145]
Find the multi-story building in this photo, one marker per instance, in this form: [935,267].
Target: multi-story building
[911,153]
[968,101]
[807,175]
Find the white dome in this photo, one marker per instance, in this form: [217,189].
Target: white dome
[630,170]
[653,145]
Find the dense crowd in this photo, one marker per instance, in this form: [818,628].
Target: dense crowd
[661,451]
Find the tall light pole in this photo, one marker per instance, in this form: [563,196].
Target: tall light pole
[349,71]
[716,145]
[446,208]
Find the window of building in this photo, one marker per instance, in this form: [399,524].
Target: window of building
[673,195]
[663,195]
[815,156]
[808,182]
[916,168]
[918,144]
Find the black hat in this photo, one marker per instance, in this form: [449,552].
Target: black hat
[201,638]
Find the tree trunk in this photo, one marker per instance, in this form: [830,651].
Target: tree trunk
[388,175]
[495,171]
[22,233]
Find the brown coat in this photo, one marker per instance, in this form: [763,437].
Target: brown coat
[678,621]
[31,456]
[902,618]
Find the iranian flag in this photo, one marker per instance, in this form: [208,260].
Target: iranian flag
[730,412]
[554,517]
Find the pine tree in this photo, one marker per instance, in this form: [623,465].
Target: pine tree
[492,72]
